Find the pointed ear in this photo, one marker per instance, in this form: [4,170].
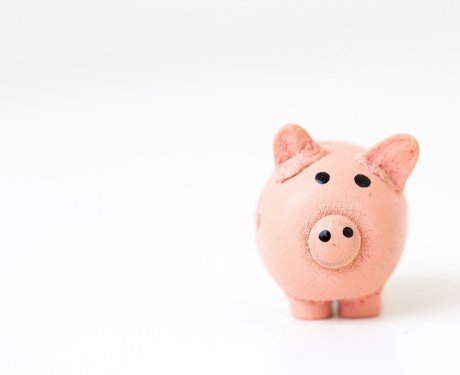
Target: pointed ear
[393,159]
[294,150]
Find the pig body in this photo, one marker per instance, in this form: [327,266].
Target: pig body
[331,221]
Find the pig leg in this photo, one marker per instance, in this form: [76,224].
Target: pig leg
[364,307]
[308,310]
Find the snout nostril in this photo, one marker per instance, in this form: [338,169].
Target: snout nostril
[347,232]
[324,236]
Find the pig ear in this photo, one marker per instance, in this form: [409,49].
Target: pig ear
[393,159]
[294,150]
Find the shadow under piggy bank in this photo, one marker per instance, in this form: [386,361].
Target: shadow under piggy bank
[422,294]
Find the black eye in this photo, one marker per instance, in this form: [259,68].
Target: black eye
[362,181]
[322,178]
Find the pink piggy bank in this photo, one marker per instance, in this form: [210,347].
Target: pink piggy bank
[331,221]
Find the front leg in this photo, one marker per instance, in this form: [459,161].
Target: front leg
[309,310]
[364,307]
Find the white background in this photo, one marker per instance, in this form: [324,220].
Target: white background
[135,137]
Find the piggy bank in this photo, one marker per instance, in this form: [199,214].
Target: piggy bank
[331,221]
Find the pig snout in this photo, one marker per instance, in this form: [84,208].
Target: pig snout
[334,241]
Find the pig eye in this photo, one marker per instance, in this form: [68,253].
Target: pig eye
[362,181]
[322,177]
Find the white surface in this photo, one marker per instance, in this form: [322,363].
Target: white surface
[134,140]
